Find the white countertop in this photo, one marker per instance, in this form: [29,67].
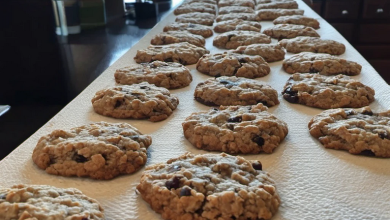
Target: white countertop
[313,182]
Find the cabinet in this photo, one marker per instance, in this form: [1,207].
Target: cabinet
[365,24]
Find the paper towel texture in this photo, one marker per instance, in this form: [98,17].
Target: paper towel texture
[313,182]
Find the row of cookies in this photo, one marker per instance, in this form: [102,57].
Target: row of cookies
[92,158]
[308,40]
[173,188]
[100,151]
[219,129]
[335,128]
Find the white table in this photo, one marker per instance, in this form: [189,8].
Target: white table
[313,182]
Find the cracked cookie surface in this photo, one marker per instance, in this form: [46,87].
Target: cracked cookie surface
[198,29]
[171,37]
[234,39]
[235,91]
[270,52]
[213,2]
[282,4]
[101,151]
[237,24]
[281,31]
[184,53]
[312,44]
[233,64]
[326,92]
[298,19]
[272,14]
[235,9]
[168,75]
[208,187]
[47,202]
[358,131]
[195,7]
[196,18]
[247,3]
[136,101]
[325,64]
[235,129]
[242,16]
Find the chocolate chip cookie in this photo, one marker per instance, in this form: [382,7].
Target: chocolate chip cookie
[235,9]
[169,75]
[312,44]
[233,64]
[358,131]
[198,29]
[271,14]
[32,202]
[137,101]
[237,24]
[231,90]
[208,187]
[281,31]
[100,151]
[297,19]
[234,39]
[184,53]
[235,129]
[325,64]
[270,52]
[195,7]
[242,16]
[326,92]
[196,18]
[171,37]
[285,5]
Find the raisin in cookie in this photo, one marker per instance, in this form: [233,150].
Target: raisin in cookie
[235,9]
[233,64]
[312,44]
[237,24]
[171,37]
[195,7]
[234,39]
[247,3]
[100,151]
[196,18]
[358,131]
[184,53]
[272,14]
[281,31]
[270,52]
[298,19]
[235,129]
[231,90]
[169,75]
[326,92]
[137,101]
[285,5]
[242,16]
[204,31]
[325,64]
[209,187]
[32,202]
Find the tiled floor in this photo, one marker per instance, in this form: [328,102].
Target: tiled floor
[84,57]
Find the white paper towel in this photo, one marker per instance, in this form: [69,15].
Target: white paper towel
[313,182]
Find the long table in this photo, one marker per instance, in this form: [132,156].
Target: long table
[313,182]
